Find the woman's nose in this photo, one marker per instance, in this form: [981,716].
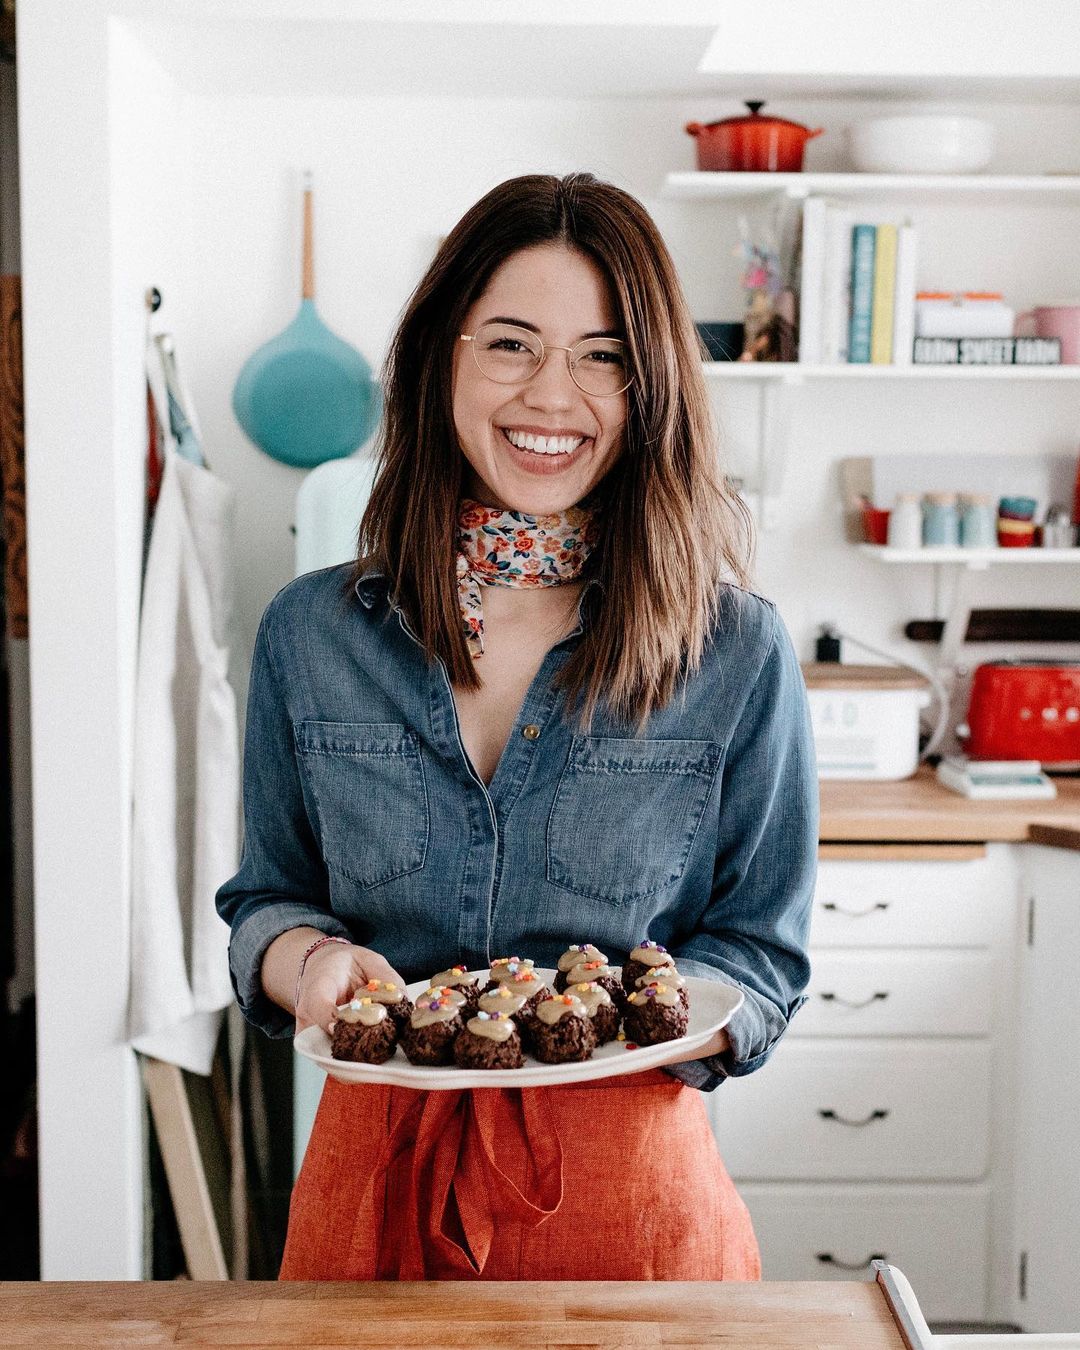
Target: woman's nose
[552,386]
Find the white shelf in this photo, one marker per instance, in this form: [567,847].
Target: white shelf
[792,371]
[972,557]
[1045,189]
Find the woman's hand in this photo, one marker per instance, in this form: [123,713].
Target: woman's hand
[331,975]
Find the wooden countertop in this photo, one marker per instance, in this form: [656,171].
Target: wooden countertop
[812,1316]
[920,809]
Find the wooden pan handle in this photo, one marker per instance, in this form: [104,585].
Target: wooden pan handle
[309,248]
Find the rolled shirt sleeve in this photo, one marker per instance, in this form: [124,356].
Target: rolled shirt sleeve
[754,931]
[282,882]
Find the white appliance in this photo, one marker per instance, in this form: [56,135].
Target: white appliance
[865,719]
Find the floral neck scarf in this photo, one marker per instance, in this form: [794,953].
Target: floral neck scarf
[510,548]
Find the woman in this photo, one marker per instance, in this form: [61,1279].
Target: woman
[540,709]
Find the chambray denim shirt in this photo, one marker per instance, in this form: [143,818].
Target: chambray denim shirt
[365,818]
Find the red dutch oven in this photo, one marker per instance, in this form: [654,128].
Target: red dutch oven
[753,144]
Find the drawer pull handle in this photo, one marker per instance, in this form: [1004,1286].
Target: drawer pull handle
[827,1259]
[852,1003]
[855,913]
[843,1120]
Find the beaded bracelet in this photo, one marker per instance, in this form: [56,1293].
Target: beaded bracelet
[321,942]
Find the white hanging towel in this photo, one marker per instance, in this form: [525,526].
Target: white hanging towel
[186,781]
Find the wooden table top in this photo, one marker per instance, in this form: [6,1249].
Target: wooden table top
[828,1315]
[920,809]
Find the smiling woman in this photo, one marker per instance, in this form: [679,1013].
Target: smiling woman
[540,711]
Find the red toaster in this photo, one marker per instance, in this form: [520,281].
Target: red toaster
[1025,710]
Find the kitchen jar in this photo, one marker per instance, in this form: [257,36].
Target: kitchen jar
[940,520]
[978,521]
[905,522]
[1058,531]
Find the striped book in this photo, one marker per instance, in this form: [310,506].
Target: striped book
[862,293]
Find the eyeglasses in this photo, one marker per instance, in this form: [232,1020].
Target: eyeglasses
[508,354]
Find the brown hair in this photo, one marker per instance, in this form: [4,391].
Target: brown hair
[673,530]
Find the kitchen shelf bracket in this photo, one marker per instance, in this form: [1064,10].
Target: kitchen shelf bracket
[959,609]
[775,404]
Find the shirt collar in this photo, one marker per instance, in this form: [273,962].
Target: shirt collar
[368,584]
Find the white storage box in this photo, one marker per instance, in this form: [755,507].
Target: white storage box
[865,719]
[963,315]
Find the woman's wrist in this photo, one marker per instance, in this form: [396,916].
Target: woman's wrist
[281,963]
[319,942]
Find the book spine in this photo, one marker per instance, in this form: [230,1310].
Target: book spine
[904,311]
[837,286]
[881,322]
[862,293]
[810,279]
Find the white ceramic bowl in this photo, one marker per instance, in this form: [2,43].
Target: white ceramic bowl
[922,143]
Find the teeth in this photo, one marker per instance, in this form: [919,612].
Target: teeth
[544,445]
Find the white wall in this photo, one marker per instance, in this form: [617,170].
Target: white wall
[102,211]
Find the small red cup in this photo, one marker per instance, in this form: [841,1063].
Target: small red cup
[875,525]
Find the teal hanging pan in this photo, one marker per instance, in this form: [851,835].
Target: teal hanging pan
[306,396]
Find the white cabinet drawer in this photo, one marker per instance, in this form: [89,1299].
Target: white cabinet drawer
[881,992]
[859,1111]
[909,904]
[937,1235]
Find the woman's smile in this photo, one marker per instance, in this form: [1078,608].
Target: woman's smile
[544,453]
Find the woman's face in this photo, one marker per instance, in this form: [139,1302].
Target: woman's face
[564,297]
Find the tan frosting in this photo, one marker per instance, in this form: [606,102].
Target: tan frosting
[553,1010]
[497,1027]
[592,970]
[665,975]
[503,999]
[429,1011]
[592,995]
[506,967]
[656,993]
[363,1010]
[526,983]
[575,956]
[456,997]
[455,976]
[380,991]
[651,956]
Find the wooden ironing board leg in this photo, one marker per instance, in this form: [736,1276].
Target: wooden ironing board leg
[185,1170]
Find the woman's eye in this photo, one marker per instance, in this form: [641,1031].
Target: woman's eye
[603,358]
[506,345]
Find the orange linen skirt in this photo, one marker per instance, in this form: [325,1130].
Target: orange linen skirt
[618,1179]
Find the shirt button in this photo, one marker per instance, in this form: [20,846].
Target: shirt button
[531,732]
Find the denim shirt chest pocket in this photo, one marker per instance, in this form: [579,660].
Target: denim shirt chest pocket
[626,813]
[367,782]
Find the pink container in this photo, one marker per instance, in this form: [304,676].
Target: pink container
[1054,321]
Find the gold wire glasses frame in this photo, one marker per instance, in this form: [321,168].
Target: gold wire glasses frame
[507,354]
